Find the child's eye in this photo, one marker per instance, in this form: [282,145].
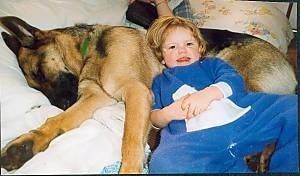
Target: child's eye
[189,43]
[172,47]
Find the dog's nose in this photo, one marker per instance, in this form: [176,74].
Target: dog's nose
[65,92]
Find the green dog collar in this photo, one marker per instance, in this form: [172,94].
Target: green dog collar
[85,47]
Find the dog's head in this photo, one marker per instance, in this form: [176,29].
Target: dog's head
[50,60]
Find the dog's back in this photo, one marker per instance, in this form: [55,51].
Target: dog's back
[263,66]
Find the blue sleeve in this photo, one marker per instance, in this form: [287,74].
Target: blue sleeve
[156,94]
[223,72]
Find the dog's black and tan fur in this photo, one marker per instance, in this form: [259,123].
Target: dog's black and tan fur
[119,66]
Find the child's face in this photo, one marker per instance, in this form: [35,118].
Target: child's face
[180,48]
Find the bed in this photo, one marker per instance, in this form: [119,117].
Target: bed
[94,147]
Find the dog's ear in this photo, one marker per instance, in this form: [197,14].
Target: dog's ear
[24,32]
[12,43]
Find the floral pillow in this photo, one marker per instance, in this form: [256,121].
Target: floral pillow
[260,19]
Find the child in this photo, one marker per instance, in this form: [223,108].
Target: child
[192,87]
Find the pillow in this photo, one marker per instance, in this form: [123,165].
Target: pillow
[49,14]
[259,19]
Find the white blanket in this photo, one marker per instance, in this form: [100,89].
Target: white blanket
[84,150]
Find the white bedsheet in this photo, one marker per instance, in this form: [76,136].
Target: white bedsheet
[84,150]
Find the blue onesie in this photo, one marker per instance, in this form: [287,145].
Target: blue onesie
[272,118]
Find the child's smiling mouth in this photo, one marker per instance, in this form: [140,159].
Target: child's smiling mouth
[183,59]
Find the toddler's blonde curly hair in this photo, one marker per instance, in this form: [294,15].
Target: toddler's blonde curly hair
[161,27]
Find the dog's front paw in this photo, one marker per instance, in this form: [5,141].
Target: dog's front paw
[16,154]
[23,148]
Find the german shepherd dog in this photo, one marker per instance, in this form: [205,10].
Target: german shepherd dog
[85,67]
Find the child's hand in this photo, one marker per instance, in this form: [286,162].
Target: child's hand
[176,111]
[199,101]
[195,103]
[162,117]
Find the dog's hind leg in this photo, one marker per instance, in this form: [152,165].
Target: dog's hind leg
[138,100]
[259,162]
[20,150]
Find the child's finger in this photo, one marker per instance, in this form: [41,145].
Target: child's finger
[197,111]
[191,110]
[185,101]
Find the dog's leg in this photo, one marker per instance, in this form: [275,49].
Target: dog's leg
[20,150]
[138,101]
[259,162]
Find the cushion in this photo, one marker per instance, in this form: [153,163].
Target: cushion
[259,19]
